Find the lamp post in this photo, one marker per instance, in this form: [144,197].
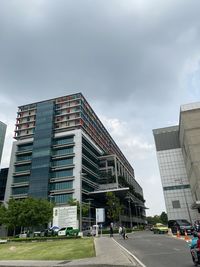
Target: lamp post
[89,201]
[80,201]
[50,200]
[130,214]
[136,213]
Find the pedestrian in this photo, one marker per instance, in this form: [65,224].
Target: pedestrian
[111,229]
[120,230]
[124,233]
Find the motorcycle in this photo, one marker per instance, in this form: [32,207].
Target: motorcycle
[195,253]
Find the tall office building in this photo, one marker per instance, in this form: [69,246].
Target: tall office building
[62,151]
[2,137]
[178,153]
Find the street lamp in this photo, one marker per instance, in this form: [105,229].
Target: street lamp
[136,213]
[89,201]
[130,215]
[80,201]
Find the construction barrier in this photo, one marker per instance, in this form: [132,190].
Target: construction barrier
[170,231]
[186,236]
[178,234]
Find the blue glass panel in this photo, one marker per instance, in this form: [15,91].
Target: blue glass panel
[41,155]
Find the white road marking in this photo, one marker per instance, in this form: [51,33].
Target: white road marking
[141,264]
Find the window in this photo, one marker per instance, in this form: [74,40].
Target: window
[176,204]
[64,173]
[62,185]
[63,162]
[64,198]
[20,190]
[64,151]
[63,141]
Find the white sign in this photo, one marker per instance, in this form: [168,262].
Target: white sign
[65,216]
[100,215]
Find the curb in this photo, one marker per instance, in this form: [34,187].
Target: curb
[132,258]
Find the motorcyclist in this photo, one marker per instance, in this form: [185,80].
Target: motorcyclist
[194,240]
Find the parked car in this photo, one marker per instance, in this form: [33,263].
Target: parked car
[159,228]
[181,225]
[87,231]
[68,231]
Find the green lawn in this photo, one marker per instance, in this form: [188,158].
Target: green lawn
[52,250]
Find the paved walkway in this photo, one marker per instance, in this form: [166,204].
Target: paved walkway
[108,253]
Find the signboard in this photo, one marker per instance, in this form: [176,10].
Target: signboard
[65,216]
[100,215]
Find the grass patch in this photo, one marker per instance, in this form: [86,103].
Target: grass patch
[53,250]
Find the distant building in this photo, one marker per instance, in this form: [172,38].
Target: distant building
[178,153]
[2,137]
[62,151]
[3,180]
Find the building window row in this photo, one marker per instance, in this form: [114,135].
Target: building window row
[176,187]
[62,198]
[21,179]
[63,173]
[20,190]
[62,185]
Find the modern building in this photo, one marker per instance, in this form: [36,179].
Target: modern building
[2,137]
[3,180]
[178,153]
[62,151]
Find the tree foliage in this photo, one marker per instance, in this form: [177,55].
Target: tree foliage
[28,213]
[114,207]
[162,218]
[85,207]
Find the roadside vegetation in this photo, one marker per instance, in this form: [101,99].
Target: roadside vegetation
[55,250]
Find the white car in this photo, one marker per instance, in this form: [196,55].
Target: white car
[62,231]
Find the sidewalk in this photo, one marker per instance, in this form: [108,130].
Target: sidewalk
[108,253]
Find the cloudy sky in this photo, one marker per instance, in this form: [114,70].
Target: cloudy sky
[135,61]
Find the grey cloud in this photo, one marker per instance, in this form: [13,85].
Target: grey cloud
[94,47]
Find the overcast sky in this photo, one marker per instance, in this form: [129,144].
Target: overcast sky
[135,61]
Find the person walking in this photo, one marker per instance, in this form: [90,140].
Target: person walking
[120,231]
[124,233]
[111,229]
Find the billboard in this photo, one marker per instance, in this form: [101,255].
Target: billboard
[100,215]
[65,216]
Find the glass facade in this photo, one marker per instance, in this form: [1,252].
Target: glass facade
[63,198]
[64,141]
[20,190]
[62,162]
[21,179]
[41,154]
[62,185]
[64,151]
[62,174]
[3,180]
[25,147]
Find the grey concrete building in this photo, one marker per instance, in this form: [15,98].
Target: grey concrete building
[176,187]
[178,153]
[2,137]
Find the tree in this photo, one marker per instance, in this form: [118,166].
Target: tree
[114,206]
[28,213]
[13,214]
[164,218]
[2,214]
[85,207]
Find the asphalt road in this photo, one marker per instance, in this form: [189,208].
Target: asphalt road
[155,250]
